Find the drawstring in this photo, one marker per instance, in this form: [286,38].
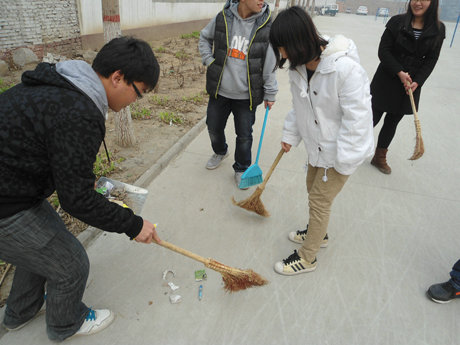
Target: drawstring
[325,175]
[106,152]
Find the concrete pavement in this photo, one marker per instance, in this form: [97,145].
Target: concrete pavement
[390,238]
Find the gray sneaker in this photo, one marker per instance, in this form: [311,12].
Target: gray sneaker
[238,179]
[215,161]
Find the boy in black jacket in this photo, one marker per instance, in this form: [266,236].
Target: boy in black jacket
[51,127]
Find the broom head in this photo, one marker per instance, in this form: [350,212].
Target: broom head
[236,279]
[253,203]
[419,147]
[251,177]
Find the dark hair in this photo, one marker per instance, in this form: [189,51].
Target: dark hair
[431,15]
[293,29]
[134,58]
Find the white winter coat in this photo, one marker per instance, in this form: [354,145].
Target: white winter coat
[332,113]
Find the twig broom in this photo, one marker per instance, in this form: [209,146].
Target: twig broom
[234,278]
[419,147]
[253,203]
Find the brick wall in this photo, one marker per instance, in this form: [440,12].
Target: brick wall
[41,25]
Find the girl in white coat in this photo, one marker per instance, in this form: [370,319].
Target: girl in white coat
[331,113]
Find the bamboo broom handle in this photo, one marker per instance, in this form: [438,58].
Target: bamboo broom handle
[412,103]
[184,252]
[275,163]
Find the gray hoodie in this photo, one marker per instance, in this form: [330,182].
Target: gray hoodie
[81,75]
[234,84]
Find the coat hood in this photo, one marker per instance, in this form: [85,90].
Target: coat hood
[337,47]
[82,76]
[70,75]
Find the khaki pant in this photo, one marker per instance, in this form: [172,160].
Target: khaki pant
[320,197]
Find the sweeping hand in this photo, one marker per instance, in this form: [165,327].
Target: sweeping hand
[405,78]
[285,146]
[268,104]
[148,233]
[413,86]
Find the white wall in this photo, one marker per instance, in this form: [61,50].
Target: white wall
[145,13]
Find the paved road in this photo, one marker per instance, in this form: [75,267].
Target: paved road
[390,238]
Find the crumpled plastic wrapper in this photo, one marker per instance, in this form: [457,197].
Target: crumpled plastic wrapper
[175,299]
[165,273]
[172,286]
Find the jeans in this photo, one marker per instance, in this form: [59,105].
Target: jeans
[320,197]
[218,112]
[455,275]
[38,243]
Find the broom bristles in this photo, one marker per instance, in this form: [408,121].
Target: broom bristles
[253,203]
[236,279]
[419,146]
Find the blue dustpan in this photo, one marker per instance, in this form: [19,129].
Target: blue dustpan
[253,175]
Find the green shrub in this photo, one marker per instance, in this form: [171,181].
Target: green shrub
[169,117]
[102,167]
[159,100]
[194,34]
[138,113]
[4,87]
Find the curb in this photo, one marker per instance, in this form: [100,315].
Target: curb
[91,233]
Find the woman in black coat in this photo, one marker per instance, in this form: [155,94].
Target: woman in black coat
[408,51]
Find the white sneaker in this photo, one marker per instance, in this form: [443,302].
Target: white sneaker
[96,321]
[294,264]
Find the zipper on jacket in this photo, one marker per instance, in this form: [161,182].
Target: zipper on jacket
[226,54]
[247,59]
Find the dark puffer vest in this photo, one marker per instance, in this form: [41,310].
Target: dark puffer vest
[255,59]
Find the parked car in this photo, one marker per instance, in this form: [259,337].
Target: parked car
[383,12]
[330,10]
[348,10]
[362,10]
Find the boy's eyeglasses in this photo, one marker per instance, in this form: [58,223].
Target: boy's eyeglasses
[139,95]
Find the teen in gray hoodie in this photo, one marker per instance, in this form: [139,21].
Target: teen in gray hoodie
[51,127]
[240,75]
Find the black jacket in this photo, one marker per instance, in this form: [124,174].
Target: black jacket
[400,51]
[50,134]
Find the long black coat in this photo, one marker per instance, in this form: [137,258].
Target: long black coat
[400,51]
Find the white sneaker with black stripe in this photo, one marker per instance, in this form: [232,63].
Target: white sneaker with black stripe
[293,265]
[300,235]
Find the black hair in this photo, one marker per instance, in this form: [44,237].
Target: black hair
[134,59]
[431,15]
[293,29]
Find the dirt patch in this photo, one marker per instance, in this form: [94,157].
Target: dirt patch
[159,120]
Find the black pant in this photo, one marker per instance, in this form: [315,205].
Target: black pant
[38,243]
[389,127]
[218,112]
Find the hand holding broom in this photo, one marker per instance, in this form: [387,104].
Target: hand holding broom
[419,147]
[253,203]
[234,278]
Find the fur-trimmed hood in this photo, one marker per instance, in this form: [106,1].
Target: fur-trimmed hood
[337,47]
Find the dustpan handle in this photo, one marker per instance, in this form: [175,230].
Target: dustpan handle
[262,135]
